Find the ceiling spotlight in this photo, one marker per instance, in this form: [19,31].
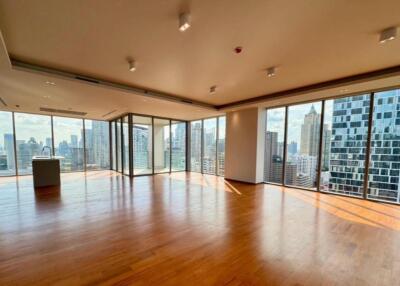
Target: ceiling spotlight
[388,35]
[213,89]
[184,22]
[50,83]
[271,71]
[132,65]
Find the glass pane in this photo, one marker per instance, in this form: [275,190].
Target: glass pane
[33,132]
[7,155]
[209,143]
[142,145]
[125,126]
[274,142]
[161,146]
[113,146]
[97,142]
[221,145]
[344,145]
[119,146]
[68,143]
[178,133]
[384,168]
[195,146]
[303,131]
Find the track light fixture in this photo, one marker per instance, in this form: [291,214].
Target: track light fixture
[388,35]
[213,89]
[132,65]
[271,71]
[184,22]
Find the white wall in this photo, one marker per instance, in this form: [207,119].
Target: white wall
[244,150]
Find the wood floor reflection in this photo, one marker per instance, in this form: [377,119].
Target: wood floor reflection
[189,229]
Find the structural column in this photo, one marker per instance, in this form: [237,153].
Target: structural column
[244,150]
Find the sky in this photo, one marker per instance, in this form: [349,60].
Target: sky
[296,113]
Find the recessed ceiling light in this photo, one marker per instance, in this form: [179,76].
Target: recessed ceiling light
[46,96]
[184,22]
[213,89]
[271,71]
[50,82]
[388,35]
[132,65]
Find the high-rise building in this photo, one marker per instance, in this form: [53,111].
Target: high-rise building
[292,148]
[348,142]
[9,150]
[271,147]
[309,140]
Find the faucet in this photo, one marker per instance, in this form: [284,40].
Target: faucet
[46,147]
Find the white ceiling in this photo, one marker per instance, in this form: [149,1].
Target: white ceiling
[309,41]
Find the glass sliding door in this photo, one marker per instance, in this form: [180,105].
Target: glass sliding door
[344,145]
[195,146]
[7,155]
[97,145]
[142,145]
[33,132]
[209,145]
[162,155]
[302,151]
[178,146]
[68,143]
[384,167]
[118,144]
[221,146]
[125,144]
[274,145]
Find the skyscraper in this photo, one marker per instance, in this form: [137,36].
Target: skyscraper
[309,141]
[348,142]
[9,150]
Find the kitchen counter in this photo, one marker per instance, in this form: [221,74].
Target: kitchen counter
[46,171]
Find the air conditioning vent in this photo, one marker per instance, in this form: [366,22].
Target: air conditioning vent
[3,102]
[87,79]
[111,112]
[187,101]
[70,112]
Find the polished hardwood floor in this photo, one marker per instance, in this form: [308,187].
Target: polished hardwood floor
[102,228]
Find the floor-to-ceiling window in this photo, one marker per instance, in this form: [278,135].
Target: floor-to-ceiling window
[195,145]
[384,167]
[97,144]
[344,145]
[302,145]
[125,144]
[142,136]
[118,135]
[356,131]
[221,146]
[7,155]
[33,133]
[274,145]
[68,143]
[178,146]
[209,145]
[113,146]
[161,141]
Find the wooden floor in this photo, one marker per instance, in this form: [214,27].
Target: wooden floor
[189,229]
